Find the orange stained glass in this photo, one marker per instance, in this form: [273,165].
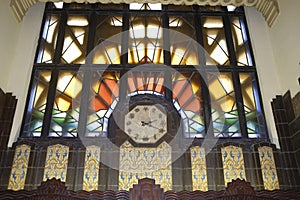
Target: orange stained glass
[107,90]
[187,90]
[146,81]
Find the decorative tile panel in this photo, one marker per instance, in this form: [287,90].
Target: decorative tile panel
[19,168]
[198,164]
[233,163]
[268,168]
[91,168]
[56,162]
[138,163]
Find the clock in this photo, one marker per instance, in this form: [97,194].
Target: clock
[146,124]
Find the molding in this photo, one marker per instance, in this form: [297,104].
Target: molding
[268,8]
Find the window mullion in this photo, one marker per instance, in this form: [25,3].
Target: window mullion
[235,77]
[167,57]
[54,76]
[87,77]
[123,83]
[204,81]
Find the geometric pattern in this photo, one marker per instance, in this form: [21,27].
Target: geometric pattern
[56,162]
[91,168]
[198,164]
[268,168]
[19,168]
[137,163]
[233,163]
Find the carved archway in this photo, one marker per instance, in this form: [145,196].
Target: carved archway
[268,8]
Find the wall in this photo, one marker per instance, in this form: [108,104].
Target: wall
[266,65]
[286,45]
[9,33]
[22,55]
[22,61]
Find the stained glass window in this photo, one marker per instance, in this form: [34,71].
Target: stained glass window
[187,93]
[75,40]
[104,97]
[145,83]
[223,105]
[65,113]
[87,62]
[145,40]
[48,39]
[215,41]
[34,123]
[252,107]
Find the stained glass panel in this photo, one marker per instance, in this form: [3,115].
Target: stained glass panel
[268,168]
[56,162]
[38,104]
[19,168]
[183,45]
[48,40]
[103,99]
[253,112]
[215,41]
[187,93]
[198,164]
[145,82]
[223,104]
[241,42]
[137,163]
[233,163]
[145,40]
[107,49]
[65,113]
[75,40]
[91,168]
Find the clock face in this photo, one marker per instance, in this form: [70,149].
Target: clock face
[146,123]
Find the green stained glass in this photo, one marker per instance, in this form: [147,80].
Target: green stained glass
[253,113]
[33,126]
[65,113]
[223,104]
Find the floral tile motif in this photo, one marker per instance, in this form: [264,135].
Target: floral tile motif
[198,164]
[233,163]
[91,168]
[19,168]
[138,163]
[268,168]
[56,162]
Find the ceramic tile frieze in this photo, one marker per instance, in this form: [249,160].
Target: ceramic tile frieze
[91,168]
[56,162]
[19,168]
[233,163]
[198,164]
[268,168]
[137,163]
